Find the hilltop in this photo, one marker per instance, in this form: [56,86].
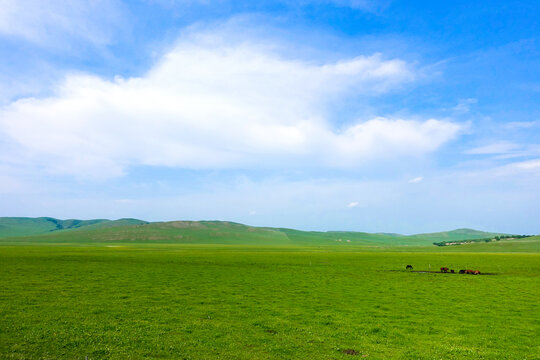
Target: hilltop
[458,234]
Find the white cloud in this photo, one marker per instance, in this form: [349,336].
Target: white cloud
[506,150]
[353,204]
[416,180]
[373,6]
[212,104]
[518,125]
[530,165]
[484,172]
[50,22]
[495,148]
[464,105]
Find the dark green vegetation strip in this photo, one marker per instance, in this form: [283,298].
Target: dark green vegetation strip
[487,240]
[139,301]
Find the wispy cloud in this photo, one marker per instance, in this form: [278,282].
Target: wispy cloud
[525,171]
[416,180]
[373,6]
[464,105]
[210,103]
[495,148]
[527,165]
[506,150]
[518,125]
[54,23]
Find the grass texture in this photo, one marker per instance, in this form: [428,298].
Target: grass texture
[178,301]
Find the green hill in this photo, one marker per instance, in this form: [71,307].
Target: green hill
[458,234]
[23,226]
[528,244]
[19,226]
[217,232]
[352,237]
[187,232]
[50,230]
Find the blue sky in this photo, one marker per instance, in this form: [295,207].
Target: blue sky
[396,116]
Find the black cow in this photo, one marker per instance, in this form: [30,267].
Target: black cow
[408,267]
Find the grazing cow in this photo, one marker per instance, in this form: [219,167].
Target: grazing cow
[452,271]
[468,271]
[444,269]
[408,267]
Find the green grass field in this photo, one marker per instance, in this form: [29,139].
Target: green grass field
[126,296]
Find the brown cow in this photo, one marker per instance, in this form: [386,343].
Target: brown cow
[444,269]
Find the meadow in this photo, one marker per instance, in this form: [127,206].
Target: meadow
[145,300]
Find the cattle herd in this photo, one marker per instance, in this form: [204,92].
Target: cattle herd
[447,270]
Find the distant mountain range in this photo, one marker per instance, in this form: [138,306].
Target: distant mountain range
[48,229]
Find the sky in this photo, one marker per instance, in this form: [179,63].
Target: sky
[376,116]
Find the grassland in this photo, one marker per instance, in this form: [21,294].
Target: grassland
[72,295]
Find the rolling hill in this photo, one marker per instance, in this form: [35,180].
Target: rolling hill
[523,245]
[458,234]
[23,226]
[50,230]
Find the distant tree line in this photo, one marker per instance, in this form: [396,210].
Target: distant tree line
[470,241]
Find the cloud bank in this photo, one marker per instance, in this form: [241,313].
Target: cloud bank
[209,103]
